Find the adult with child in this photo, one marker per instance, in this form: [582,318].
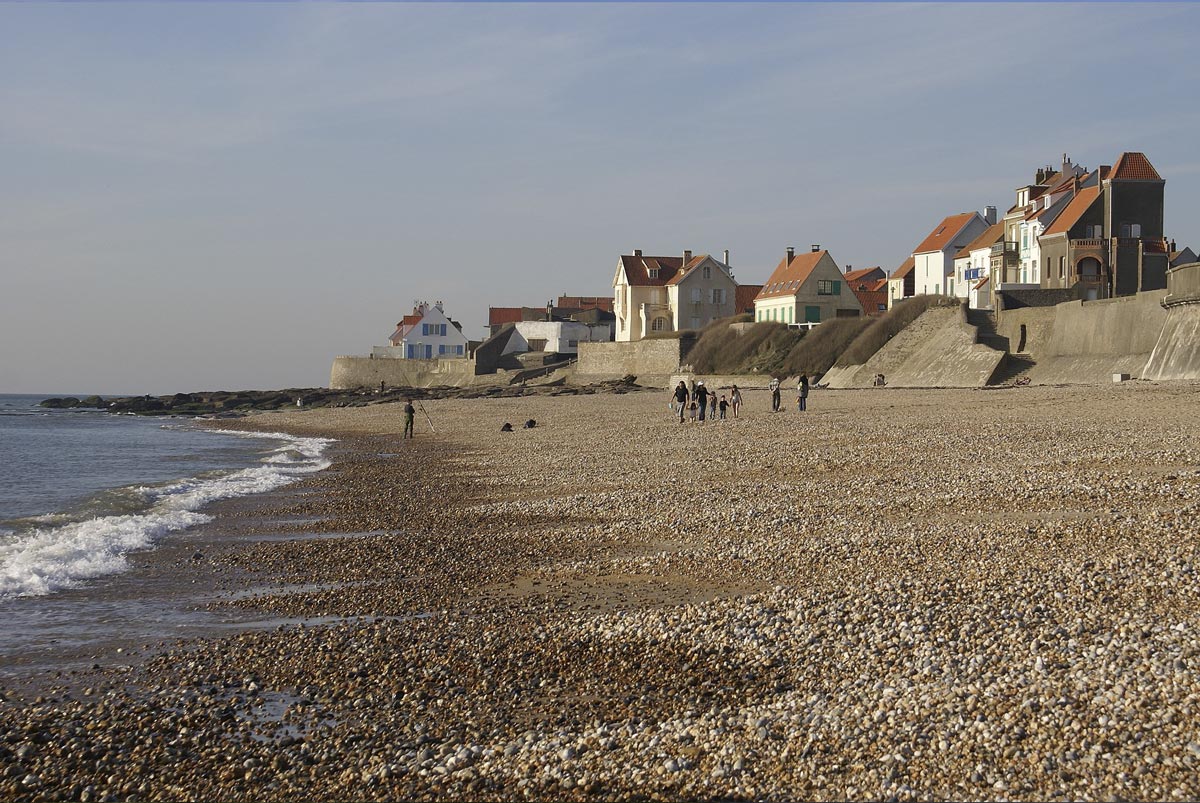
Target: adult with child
[701,397]
[774,386]
[681,398]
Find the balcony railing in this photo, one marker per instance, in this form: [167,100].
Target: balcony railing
[1007,247]
[1089,242]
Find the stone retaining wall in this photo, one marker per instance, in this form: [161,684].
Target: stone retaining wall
[368,372]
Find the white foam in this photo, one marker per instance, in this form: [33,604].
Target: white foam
[49,559]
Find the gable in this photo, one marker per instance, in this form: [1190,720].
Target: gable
[944,233]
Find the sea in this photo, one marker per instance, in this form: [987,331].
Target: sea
[81,491]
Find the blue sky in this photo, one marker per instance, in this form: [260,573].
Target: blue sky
[219,196]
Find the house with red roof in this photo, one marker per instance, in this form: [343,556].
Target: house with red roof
[972,267]
[933,258]
[1108,239]
[426,334]
[806,288]
[902,283]
[869,285]
[670,294]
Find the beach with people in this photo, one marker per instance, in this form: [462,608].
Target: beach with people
[894,595]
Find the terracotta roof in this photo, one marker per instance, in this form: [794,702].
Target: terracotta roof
[743,297]
[1082,201]
[855,275]
[871,300]
[1155,246]
[1134,166]
[499,315]
[991,235]
[586,302]
[943,233]
[982,282]
[788,277]
[905,268]
[878,284]
[681,275]
[637,269]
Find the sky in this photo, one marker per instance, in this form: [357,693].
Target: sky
[220,196]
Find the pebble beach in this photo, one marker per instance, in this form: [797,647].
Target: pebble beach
[905,595]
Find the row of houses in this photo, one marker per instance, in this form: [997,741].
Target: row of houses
[1071,233]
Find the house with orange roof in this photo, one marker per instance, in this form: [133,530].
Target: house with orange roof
[972,267]
[1181,256]
[902,283]
[933,258]
[806,288]
[1108,240]
[670,294]
[869,285]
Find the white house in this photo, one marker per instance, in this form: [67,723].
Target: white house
[427,334]
[808,288]
[666,294]
[973,267]
[555,337]
[934,258]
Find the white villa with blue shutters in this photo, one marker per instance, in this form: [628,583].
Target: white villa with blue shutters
[428,334]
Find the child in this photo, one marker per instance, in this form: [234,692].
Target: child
[723,406]
[693,408]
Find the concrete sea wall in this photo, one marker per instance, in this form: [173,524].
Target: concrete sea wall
[368,372]
[655,357]
[938,349]
[1176,355]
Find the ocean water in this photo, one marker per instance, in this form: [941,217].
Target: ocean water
[81,490]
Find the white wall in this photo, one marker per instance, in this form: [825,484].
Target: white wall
[557,334]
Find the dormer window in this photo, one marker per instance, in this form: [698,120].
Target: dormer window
[653,273]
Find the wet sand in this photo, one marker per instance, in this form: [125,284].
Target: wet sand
[899,594]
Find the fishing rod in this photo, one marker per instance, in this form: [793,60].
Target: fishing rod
[427,418]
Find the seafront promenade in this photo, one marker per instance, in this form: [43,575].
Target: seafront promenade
[898,594]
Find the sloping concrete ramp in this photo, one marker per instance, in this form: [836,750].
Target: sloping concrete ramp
[1176,355]
[937,350]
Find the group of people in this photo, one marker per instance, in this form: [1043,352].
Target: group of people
[775,387]
[700,402]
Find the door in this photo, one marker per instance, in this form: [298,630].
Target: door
[429,352]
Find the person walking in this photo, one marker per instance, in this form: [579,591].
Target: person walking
[735,400]
[802,392]
[701,398]
[712,405]
[409,413]
[681,398]
[724,406]
[774,386]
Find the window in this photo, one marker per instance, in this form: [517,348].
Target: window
[572,344]
[718,295]
[1096,231]
[695,322]
[707,271]
[653,273]
[412,352]
[1062,267]
[459,350]
[828,287]
[1125,230]
[696,291]
[1135,230]
[425,329]
[658,324]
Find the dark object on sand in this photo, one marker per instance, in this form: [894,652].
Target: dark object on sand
[530,424]
[507,427]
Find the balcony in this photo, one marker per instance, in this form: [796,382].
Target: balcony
[1089,242]
[1006,248]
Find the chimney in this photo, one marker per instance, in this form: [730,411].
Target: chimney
[726,259]
[848,267]
[1039,176]
[637,252]
[989,215]
[791,254]
[1173,248]
[815,248]
[687,256]
[550,310]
